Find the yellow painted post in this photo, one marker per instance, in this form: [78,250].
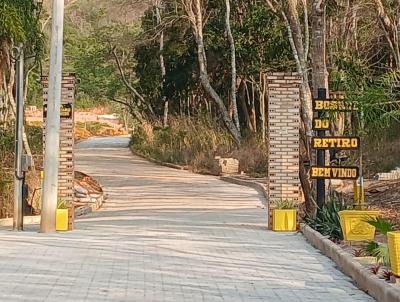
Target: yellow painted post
[359,194]
[394,251]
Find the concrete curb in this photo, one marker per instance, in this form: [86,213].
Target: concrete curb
[247,183]
[161,163]
[370,283]
[81,211]
[27,220]
[87,209]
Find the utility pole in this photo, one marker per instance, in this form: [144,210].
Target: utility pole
[52,145]
[19,130]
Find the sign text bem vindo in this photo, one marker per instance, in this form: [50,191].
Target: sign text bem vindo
[334,172]
[335,142]
[66,111]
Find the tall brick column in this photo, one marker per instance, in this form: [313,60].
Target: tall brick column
[283,138]
[66,168]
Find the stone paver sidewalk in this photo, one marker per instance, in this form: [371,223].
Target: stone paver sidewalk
[166,235]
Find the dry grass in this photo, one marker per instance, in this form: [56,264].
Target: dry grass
[195,142]
[6,168]
[381,152]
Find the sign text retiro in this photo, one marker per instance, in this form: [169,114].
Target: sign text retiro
[334,172]
[335,142]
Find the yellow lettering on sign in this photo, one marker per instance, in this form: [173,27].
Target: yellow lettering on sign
[346,143]
[321,124]
[319,105]
[334,172]
[336,142]
[314,172]
[354,143]
[334,105]
[317,143]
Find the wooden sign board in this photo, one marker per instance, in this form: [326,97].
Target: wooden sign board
[65,111]
[332,105]
[321,124]
[320,172]
[335,142]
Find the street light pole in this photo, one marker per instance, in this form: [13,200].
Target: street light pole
[52,144]
[19,131]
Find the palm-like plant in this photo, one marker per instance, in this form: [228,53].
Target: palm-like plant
[382,225]
[327,220]
[375,249]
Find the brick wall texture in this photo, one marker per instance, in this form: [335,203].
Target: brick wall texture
[66,169]
[283,136]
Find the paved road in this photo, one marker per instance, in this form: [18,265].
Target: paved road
[166,235]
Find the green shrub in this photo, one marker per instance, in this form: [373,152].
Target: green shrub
[62,204]
[195,142]
[382,225]
[327,220]
[183,141]
[375,249]
[285,204]
[380,251]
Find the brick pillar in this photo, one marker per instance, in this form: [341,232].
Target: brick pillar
[283,138]
[66,168]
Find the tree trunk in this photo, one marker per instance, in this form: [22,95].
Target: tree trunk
[390,26]
[242,100]
[196,17]
[263,95]
[319,69]
[291,18]
[233,65]
[162,66]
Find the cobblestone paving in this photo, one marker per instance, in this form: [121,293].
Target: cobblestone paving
[166,235]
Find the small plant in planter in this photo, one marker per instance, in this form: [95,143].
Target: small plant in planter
[284,216]
[375,269]
[360,256]
[386,275]
[358,253]
[62,215]
[379,251]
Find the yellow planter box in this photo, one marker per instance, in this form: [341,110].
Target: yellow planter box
[394,251]
[354,225]
[284,220]
[62,220]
